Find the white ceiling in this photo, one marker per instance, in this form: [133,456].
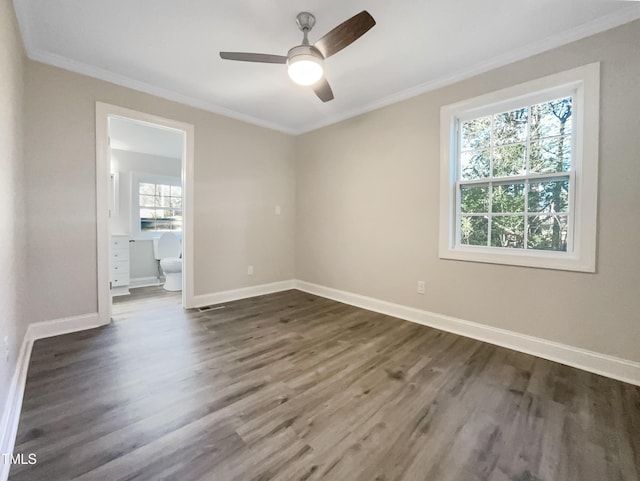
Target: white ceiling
[170,47]
[134,136]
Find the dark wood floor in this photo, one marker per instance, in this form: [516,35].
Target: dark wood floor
[291,386]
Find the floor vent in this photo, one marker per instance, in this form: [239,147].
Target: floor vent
[210,308]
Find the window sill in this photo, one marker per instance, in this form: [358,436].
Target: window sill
[538,259]
[150,237]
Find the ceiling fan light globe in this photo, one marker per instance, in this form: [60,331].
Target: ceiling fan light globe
[305,69]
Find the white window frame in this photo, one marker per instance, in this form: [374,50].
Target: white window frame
[583,83]
[136,179]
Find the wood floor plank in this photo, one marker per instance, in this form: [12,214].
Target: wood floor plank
[294,387]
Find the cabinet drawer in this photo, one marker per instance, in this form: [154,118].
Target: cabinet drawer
[120,281]
[119,255]
[120,242]
[119,267]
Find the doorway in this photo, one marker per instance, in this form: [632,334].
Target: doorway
[144,167]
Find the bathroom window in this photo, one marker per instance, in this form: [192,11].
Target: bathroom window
[159,204]
[519,174]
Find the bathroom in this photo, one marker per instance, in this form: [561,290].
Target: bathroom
[145,203]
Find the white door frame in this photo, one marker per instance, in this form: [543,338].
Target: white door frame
[103,172]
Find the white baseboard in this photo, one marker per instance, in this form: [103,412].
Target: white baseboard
[610,366]
[57,327]
[242,293]
[145,282]
[13,405]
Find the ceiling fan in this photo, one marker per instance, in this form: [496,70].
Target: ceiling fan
[306,62]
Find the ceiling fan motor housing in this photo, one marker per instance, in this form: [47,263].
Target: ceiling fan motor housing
[306,50]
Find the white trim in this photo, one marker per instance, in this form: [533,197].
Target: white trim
[114,192]
[241,293]
[65,325]
[13,406]
[593,27]
[584,82]
[145,282]
[119,291]
[103,112]
[103,227]
[82,68]
[603,364]
[188,217]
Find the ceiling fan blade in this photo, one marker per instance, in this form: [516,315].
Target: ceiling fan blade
[323,90]
[345,34]
[253,57]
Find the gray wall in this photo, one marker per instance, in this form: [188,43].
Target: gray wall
[12,248]
[241,172]
[367,211]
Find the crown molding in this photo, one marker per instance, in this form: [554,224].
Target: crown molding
[598,25]
[594,27]
[108,76]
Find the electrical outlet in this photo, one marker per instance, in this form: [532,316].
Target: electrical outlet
[250,270]
[421,287]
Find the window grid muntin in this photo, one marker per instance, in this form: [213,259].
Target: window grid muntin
[174,219]
[526,213]
[525,179]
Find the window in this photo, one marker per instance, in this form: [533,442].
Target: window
[519,174]
[159,204]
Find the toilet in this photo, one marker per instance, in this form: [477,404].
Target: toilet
[167,250]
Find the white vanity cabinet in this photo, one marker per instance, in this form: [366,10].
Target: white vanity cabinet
[119,265]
